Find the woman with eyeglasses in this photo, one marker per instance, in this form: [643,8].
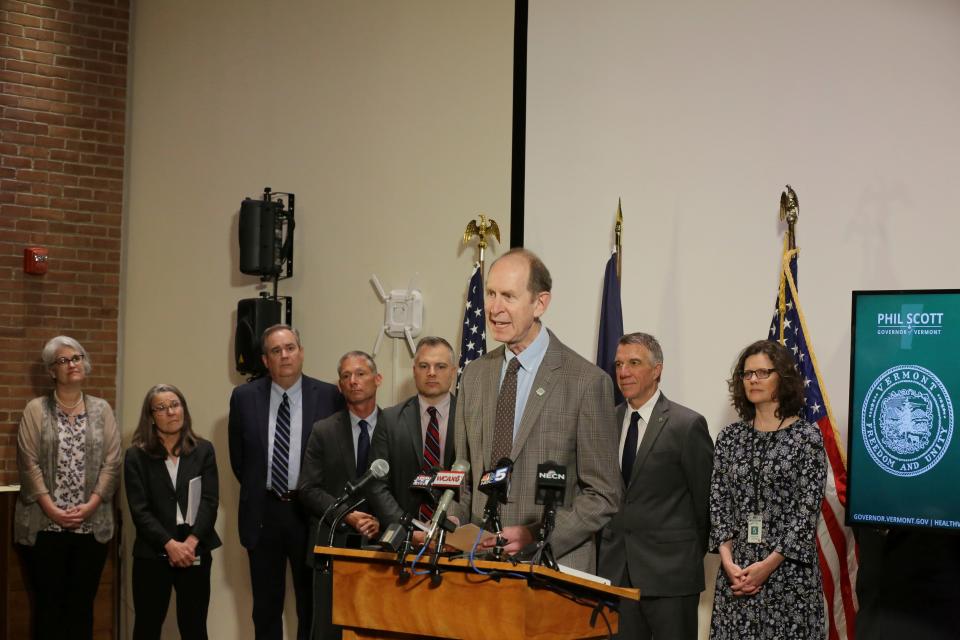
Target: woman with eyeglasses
[68,456]
[170,474]
[768,477]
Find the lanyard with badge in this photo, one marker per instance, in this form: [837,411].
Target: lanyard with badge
[755,519]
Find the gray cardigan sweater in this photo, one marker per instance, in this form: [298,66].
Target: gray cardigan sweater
[37,445]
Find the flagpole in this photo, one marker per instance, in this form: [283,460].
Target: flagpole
[836,545]
[618,231]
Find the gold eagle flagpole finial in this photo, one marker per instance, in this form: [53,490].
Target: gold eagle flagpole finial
[789,212]
[481,227]
[618,232]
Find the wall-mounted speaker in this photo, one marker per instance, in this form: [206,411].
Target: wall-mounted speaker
[254,316]
[259,245]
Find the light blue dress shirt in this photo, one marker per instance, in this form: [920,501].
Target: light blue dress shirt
[295,398]
[530,361]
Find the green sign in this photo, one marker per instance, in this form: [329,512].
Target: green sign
[904,453]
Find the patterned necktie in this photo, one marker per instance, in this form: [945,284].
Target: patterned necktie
[630,447]
[363,448]
[431,456]
[506,408]
[281,449]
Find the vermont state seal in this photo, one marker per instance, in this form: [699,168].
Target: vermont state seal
[907,420]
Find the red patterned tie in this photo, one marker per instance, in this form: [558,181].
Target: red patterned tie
[431,456]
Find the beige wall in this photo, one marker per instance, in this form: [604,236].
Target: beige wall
[392,124]
[697,113]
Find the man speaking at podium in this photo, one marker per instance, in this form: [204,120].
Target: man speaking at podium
[533,400]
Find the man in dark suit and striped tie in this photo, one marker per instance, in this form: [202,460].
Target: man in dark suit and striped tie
[270,419]
[417,434]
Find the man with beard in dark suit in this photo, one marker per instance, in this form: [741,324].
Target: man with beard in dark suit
[417,434]
[270,420]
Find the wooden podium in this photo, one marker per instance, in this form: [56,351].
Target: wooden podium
[370,602]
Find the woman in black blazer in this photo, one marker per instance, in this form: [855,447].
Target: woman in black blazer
[174,537]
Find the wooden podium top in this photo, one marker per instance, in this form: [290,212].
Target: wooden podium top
[463,563]
[371,600]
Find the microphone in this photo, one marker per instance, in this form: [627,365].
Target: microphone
[422,482]
[379,469]
[495,483]
[551,483]
[551,491]
[450,481]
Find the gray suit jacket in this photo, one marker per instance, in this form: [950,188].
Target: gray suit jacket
[398,439]
[660,531]
[569,419]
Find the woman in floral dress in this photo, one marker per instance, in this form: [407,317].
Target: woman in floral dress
[767,486]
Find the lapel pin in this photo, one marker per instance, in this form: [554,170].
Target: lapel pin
[540,391]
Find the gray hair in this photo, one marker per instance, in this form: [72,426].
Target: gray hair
[269,331]
[644,340]
[357,354]
[49,353]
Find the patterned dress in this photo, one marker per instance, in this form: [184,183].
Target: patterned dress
[68,489]
[787,468]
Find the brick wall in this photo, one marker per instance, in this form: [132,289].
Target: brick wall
[62,121]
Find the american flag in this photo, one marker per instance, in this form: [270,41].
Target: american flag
[836,547]
[473,342]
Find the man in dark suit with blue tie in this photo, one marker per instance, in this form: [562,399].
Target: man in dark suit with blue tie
[338,452]
[270,421]
[657,539]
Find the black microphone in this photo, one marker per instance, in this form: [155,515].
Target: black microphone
[551,491]
[451,482]
[379,469]
[551,483]
[495,483]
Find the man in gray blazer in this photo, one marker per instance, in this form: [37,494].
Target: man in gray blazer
[657,540]
[416,435]
[535,400]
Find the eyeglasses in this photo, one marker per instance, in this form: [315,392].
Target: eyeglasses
[761,374]
[75,359]
[160,408]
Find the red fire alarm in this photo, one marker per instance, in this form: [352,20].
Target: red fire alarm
[35,260]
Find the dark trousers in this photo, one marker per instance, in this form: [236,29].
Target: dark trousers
[658,617]
[283,540]
[65,569]
[153,578]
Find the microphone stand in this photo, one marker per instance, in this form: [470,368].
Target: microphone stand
[325,566]
[404,575]
[491,518]
[544,553]
[435,577]
[443,526]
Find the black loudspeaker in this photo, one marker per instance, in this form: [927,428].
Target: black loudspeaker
[254,316]
[258,238]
